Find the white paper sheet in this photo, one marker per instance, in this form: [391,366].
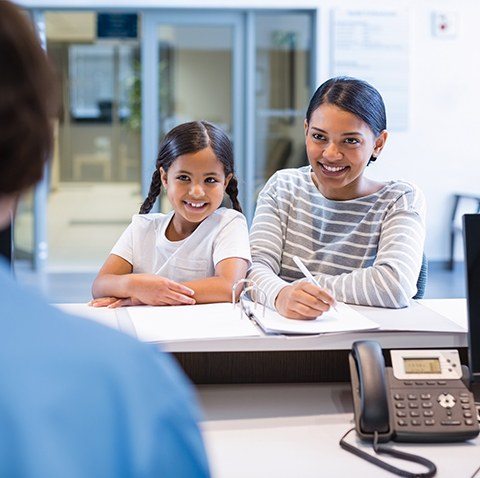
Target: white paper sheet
[345,320]
[190,322]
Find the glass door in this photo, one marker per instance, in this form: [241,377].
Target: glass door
[192,66]
[283,66]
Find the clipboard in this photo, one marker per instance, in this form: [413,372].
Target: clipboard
[270,322]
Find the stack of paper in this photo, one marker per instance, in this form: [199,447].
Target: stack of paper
[191,322]
[344,320]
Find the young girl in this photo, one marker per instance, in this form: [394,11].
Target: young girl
[195,253]
[361,239]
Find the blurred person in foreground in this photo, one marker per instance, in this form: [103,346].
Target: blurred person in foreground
[76,398]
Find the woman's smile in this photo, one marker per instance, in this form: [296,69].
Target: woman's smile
[332,171]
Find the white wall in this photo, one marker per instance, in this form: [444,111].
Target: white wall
[439,149]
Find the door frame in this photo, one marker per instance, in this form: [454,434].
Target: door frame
[151,83]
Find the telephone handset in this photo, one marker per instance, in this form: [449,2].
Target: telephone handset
[421,398]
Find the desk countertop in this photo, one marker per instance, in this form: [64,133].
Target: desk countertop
[293,430]
[445,320]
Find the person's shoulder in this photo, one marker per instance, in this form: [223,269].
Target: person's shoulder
[146,221]
[406,192]
[30,317]
[149,217]
[290,179]
[223,216]
[292,174]
[403,186]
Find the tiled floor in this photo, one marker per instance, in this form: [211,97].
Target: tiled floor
[75,287]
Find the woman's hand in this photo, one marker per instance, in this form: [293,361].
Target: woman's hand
[303,300]
[149,289]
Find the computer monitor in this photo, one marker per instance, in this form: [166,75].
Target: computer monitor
[471,235]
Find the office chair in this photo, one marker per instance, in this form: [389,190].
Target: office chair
[422,279]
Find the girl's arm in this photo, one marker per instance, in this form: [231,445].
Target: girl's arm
[116,281]
[219,287]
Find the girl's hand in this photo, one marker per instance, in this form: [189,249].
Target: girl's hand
[303,301]
[102,301]
[150,289]
[114,302]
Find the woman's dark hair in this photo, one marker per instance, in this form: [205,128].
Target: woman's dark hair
[355,96]
[189,138]
[27,103]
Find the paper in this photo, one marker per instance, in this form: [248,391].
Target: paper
[190,322]
[344,320]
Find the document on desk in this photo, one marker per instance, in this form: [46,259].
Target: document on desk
[190,322]
[344,319]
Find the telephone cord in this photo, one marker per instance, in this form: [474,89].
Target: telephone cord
[432,469]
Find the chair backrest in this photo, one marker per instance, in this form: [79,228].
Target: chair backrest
[422,279]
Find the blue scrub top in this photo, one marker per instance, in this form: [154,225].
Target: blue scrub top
[80,400]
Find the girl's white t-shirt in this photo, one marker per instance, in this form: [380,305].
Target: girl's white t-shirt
[221,235]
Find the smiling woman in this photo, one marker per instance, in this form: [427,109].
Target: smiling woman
[362,239]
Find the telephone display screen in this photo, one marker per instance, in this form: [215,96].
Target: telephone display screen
[422,365]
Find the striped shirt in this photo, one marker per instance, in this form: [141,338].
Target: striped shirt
[367,251]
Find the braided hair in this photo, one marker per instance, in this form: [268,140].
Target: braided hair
[189,138]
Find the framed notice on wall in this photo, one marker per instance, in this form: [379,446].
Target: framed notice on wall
[373,45]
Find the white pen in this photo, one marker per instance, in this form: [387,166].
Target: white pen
[308,274]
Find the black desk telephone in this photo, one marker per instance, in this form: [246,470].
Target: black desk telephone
[421,398]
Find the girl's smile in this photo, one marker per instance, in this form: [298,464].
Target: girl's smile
[195,185]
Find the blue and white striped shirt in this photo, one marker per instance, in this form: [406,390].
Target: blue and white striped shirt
[367,251]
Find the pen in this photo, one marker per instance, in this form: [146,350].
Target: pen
[308,274]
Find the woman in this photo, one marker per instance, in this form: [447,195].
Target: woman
[361,239]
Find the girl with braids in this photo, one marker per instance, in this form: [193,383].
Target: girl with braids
[195,253]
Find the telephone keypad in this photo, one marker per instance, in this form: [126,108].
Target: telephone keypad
[451,422]
[447,400]
[437,409]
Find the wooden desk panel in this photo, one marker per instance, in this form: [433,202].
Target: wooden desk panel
[293,366]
